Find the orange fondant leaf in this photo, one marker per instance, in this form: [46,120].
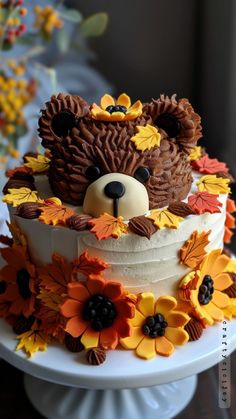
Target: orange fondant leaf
[146,138]
[19,169]
[50,315]
[164,218]
[17,235]
[213,184]
[202,202]
[55,214]
[230,205]
[193,250]
[56,275]
[209,166]
[33,341]
[107,226]
[230,220]
[16,197]
[90,265]
[227,235]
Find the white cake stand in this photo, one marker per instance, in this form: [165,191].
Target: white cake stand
[61,385]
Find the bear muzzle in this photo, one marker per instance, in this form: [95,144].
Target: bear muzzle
[116,194]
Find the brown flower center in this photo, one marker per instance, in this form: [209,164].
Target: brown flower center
[22,279]
[154,326]
[116,108]
[206,290]
[3,287]
[100,311]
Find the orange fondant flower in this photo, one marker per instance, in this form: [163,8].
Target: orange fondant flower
[18,279]
[116,110]
[98,311]
[157,327]
[202,289]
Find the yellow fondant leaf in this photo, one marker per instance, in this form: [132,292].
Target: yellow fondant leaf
[231,267]
[230,310]
[196,153]
[37,164]
[146,138]
[164,218]
[32,341]
[16,197]
[214,184]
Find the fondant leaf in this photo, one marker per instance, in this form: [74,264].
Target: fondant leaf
[193,250]
[196,153]
[90,265]
[209,166]
[33,341]
[37,164]
[107,226]
[55,214]
[146,138]
[50,299]
[19,169]
[164,218]
[56,275]
[50,315]
[214,184]
[202,202]
[230,310]
[16,197]
[17,235]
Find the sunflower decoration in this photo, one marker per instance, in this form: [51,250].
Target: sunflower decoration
[18,279]
[98,311]
[203,289]
[116,110]
[156,327]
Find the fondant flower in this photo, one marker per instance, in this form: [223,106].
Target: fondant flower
[18,278]
[98,311]
[116,110]
[203,288]
[156,327]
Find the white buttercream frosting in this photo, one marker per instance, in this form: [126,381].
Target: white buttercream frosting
[140,264]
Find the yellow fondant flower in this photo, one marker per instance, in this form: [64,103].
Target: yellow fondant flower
[116,110]
[203,288]
[230,310]
[157,327]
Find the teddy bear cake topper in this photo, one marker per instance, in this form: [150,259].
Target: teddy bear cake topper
[119,158]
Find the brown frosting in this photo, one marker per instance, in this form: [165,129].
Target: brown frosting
[79,222]
[29,154]
[96,356]
[181,209]
[29,210]
[142,226]
[73,344]
[177,118]
[62,104]
[231,291]
[109,148]
[226,176]
[194,328]
[15,182]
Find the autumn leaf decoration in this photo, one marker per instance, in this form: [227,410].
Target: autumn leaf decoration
[49,314]
[213,184]
[55,214]
[16,197]
[202,202]
[90,265]
[39,164]
[33,341]
[146,138]
[107,226]
[164,218]
[193,250]
[209,166]
[55,276]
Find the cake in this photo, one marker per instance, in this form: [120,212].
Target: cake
[118,231]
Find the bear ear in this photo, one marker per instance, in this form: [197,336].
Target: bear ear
[60,116]
[177,118]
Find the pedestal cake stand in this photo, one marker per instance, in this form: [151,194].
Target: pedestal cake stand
[61,385]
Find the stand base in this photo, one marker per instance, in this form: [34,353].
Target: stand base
[59,402]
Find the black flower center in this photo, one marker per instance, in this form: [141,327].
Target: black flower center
[169,123]
[100,311]
[3,287]
[22,279]
[154,326]
[116,108]
[206,290]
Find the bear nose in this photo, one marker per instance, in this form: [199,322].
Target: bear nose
[114,190]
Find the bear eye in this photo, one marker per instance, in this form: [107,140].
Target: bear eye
[142,174]
[93,173]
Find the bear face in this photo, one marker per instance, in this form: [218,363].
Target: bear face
[96,164]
